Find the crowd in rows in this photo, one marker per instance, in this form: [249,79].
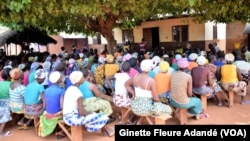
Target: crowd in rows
[69,86]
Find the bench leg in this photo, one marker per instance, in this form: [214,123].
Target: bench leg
[204,101]
[159,121]
[183,116]
[76,133]
[140,120]
[125,114]
[62,126]
[231,98]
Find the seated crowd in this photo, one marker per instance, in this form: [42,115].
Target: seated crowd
[69,87]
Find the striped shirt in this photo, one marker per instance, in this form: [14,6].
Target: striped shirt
[178,85]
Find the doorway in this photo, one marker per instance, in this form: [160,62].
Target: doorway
[151,36]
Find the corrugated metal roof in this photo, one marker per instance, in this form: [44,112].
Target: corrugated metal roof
[5,35]
[72,36]
[247,29]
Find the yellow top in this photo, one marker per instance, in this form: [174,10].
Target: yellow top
[229,73]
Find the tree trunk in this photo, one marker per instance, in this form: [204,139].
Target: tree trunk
[105,27]
[111,42]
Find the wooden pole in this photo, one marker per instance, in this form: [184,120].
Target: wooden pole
[16,49]
[38,48]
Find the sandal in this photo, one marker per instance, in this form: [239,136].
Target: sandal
[20,123]
[245,102]
[220,104]
[200,116]
[60,135]
[6,134]
[24,127]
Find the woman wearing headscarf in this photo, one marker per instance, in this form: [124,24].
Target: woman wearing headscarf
[53,99]
[17,95]
[233,81]
[203,82]
[110,69]
[181,91]
[5,114]
[92,96]
[145,100]
[74,113]
[33,95]
[47,67]
[162,81]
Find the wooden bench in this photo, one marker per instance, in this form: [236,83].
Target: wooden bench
[125,111]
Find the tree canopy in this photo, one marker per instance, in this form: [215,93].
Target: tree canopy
[102,16]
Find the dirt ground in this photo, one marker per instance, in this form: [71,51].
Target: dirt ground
[238,114]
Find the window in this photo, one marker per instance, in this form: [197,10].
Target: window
[99,39]
[180,33]
[214,32]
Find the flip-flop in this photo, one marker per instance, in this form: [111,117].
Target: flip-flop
[6,134]
[20,123]
[23,128]
[245,102]
[60,135]
[203,115]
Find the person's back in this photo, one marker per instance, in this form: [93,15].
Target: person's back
[162,79]
[200,76]
[181,91]
[179,85]
[226,70]
[145,99]
[52,96]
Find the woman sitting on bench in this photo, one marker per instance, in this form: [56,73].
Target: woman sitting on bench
[145,100]
[74,113]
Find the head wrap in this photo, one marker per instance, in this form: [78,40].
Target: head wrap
[146,65]
[193,56]
[54,76]
[40,74]
[201,60]
[85,62]
[229,57]
[156,60]
[110,58]
[101,60]
[127,57]
[71,62]
[177,57]
[75,76]
[182,63]
[16,73]
[81,55]
[164,66]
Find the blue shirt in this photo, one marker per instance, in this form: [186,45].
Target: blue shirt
[86,92]
[31,76]
[32,93]
[93,68]
[52,96]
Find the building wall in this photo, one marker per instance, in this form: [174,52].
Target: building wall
[196,31]
[234,34]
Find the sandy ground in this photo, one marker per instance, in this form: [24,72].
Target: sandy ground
[238,114]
